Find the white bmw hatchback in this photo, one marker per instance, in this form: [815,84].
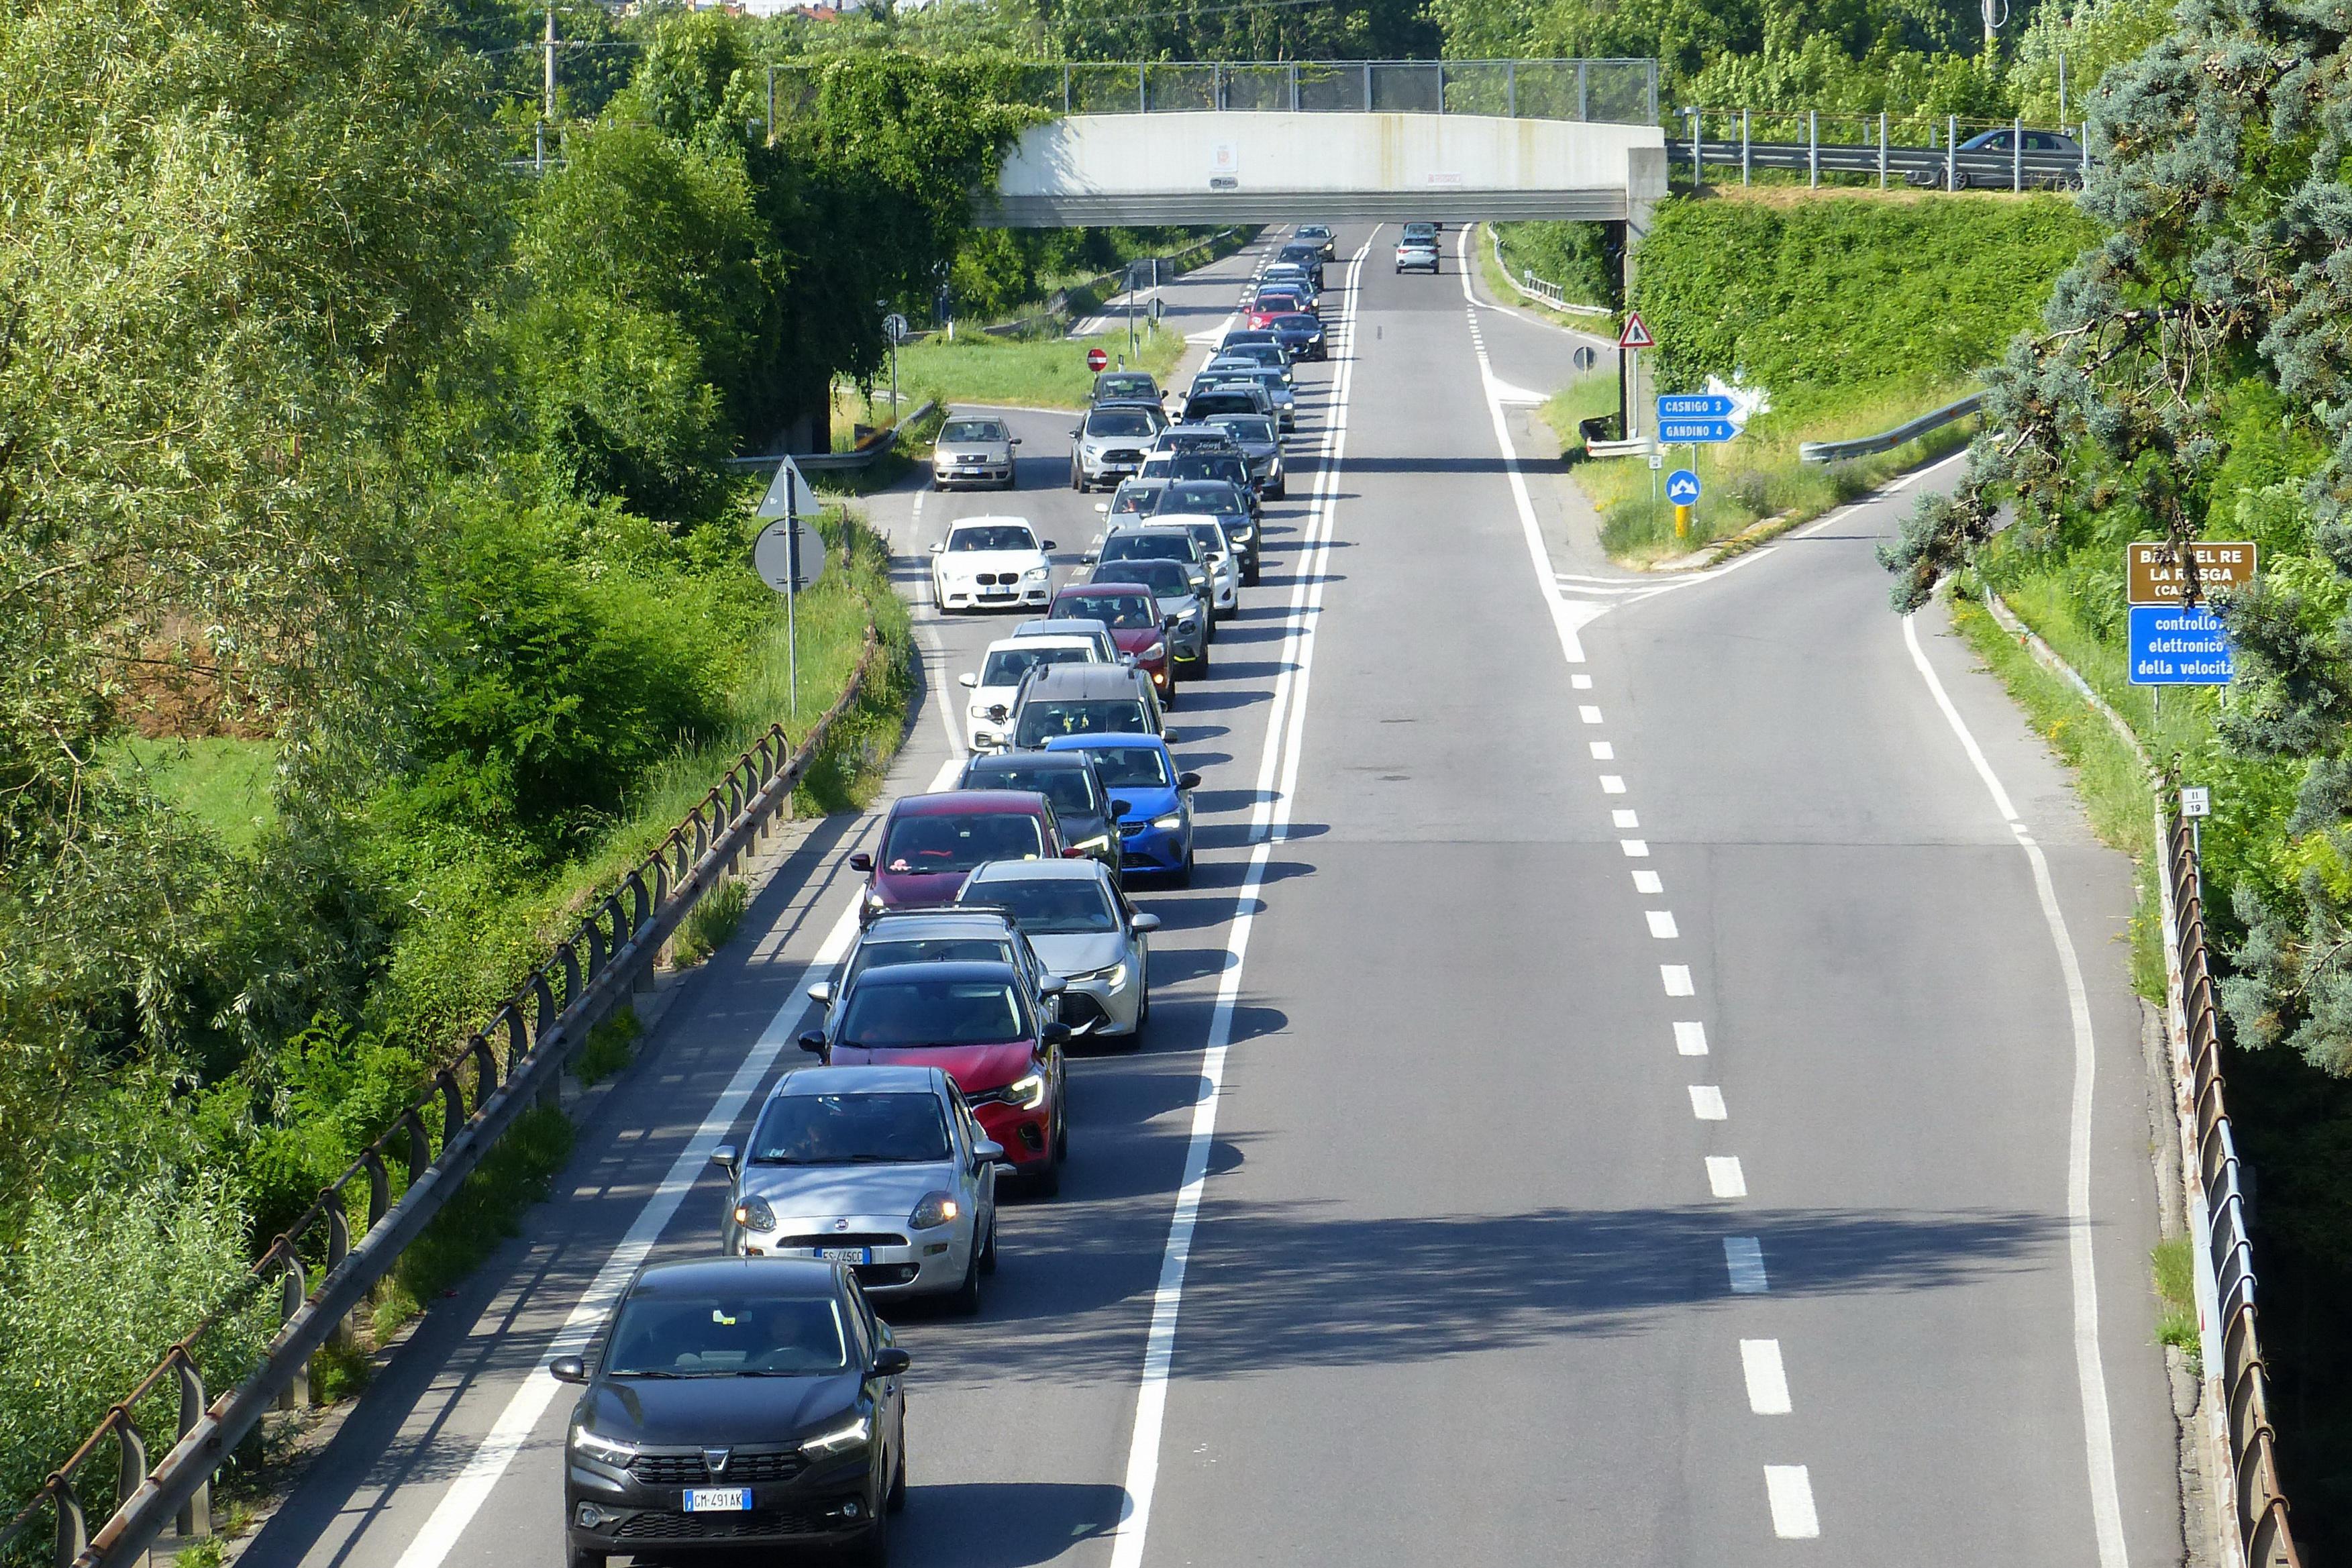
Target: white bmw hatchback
[991,563]
[998,680]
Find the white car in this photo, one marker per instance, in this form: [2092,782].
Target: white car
[1224,571]
[998,679]
[991,563]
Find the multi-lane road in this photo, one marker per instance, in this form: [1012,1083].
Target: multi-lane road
[1645,1074]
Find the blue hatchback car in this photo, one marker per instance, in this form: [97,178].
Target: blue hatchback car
[1156,833]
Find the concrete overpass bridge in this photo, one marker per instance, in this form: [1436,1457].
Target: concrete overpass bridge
[1337,141]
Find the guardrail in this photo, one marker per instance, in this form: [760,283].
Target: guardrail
[1938,165]
[864,456]
[2236,1398]
[1540,289]
[1613,91]
[2217,1206]
[609,955]
[1888,440]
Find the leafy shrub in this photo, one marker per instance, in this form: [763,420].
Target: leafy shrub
[611,1044]
[516,1173]
[711,921]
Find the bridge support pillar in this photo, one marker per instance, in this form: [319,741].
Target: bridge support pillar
[1645,187]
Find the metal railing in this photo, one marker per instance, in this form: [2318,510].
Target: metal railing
[610,954]
[2225,1307]
[1611,92]
[1888,440]
[1542,290]
[1928,156]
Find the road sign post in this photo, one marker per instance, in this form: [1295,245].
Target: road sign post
[1681,490]
[789,556]
[1630,342]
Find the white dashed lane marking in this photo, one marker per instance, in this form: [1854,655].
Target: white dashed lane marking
[1790,1489]
[1706,1103]
[1635,849]
[1767,1381]
[1603,752]
[1611,784]
[1724,1176]
[1647,882]
[1743,1259]
[1662,924]
[1678,980]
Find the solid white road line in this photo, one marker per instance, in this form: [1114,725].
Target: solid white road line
[1706,1103]
[1611,784]
[1690,1039]
[1768,1380]
[1724,1176]
[489,1461]
[1676,978]
[1274,815]
[1662,924]
[1791,1490]
[1603,751]
[2090,1370]
[1743,1260]
[1648,882]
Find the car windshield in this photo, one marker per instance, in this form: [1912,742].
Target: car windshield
[923,1010]
[1202,496]
[972,430]
[1297,321]
[1126,611]
[1130,385]
[1005,666]
[712,1335]
[1042,721]
[1138,500]
[928,950]
[850,1130]
[1204,404]
[1166,545]
[1071,789]
[1255,428]
[1064,904]
[1166,578]
[993,536]
[1130,767]
[959,841]
[1208,466]
[1119,422]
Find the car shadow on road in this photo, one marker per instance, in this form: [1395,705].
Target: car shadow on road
[1002,1525]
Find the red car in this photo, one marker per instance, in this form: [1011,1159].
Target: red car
[931,842]
[1133,617]
[980,1024]
[1270,304]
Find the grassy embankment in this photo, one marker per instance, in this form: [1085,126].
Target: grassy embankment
[1820,302]
[1029,372]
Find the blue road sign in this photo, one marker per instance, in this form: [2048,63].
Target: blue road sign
[1682,488]
[1682,432]
[1696,405]
[2178,646]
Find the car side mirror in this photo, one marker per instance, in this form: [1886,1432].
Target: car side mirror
[1073,430]
[821,993]
[1102,506]
[999,712]
[568,1369]
[1054,1033]
[890,1361]
[1052,986]
[988,1152]
[1121,808]
[1074,853]
[1127,659]
[968,678]
[814,1042]
[1188,781]
[1168,737]
[1090,557]
[1016,441]
[1047,546]
[861,861]
[724,1156]
[939,547]
[1145,924]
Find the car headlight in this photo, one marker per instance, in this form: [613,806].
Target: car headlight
[1157,651]
[935,1210]
[1036,574]
[846,1438]
[1115,976]
[588,1444]
[752,1213]
[1099,842]
[1172,820]
[1026,1093]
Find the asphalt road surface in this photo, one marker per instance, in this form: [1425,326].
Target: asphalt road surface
[1645,1075]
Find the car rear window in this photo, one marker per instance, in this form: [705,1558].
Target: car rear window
[961,840]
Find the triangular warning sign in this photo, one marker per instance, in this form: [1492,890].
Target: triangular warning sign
[1635,335]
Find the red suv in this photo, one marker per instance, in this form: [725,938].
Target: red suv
[1133,616]
[982,1025]
[930,843]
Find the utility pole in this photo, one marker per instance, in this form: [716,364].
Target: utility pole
[548,110]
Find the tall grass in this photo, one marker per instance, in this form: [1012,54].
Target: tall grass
[1035,372]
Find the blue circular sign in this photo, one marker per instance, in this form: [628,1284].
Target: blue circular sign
[1682,488]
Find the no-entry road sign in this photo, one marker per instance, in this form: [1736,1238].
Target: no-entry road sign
[1096,360]
[2155,575]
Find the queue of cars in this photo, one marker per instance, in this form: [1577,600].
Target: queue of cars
[754,1399]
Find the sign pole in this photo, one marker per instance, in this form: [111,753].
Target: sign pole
[792,596]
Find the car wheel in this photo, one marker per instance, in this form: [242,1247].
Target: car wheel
[1959,179]
[896,1500]
[575,1557]
[1185,872]
[1077,479]
[988,1254]
[1061,1133]
[1198,667]
[1047,1180]
[965,1298]
[1280,492]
